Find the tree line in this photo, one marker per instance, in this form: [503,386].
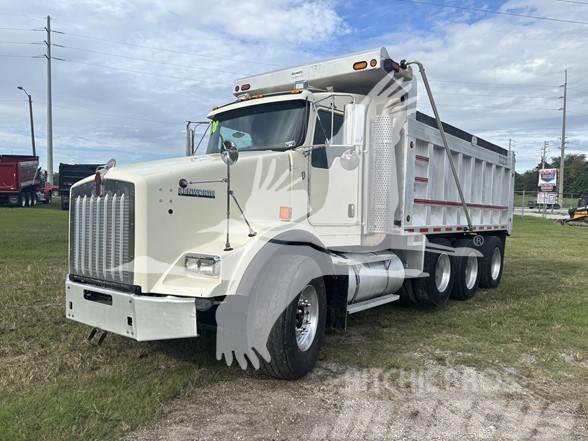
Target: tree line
[575,179]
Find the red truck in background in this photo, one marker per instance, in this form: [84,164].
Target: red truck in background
[22,182]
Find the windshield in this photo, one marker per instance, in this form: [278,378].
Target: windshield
[279,125]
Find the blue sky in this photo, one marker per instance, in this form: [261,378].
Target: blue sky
[136,70]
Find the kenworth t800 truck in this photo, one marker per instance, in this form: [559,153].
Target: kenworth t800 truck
[323,192]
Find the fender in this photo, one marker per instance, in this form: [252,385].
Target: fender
[300,241]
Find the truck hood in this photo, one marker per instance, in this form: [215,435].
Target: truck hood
[171,221]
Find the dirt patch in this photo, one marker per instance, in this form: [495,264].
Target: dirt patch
[339,403]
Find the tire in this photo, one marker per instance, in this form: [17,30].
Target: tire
[22,200]
[64,202]
[466,269]
[292,357]
[34,199]
[436,289]
[492,264]
[27,199]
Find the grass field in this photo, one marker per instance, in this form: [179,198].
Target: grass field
[56,386]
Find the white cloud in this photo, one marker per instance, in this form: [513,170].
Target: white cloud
[494,75]
[499,76]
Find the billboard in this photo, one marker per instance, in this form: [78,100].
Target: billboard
[547,178]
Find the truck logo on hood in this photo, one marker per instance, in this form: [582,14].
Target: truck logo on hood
[196,193]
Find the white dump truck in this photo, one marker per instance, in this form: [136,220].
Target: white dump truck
[322,192]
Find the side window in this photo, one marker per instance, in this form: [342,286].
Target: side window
[322,129]
[322,135]
[222,133]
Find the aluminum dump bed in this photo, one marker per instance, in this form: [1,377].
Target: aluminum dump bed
[430,199]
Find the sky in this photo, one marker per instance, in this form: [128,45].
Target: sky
[135,71]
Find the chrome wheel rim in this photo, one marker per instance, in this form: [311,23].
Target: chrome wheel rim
[442,272]
[495,264]
[306,318]
[471,271]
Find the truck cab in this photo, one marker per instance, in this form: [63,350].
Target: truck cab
[322,192]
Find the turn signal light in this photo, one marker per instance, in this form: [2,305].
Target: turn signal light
[360,65]
[285,213]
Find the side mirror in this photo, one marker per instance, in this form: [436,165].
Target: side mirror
[350,159]
[354,126]
[229,152]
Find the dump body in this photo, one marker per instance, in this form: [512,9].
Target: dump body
[18,173]
[69,174]
[431,202]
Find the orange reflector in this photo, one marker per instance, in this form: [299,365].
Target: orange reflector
[285,213]
[245,87]
[373,62]
[360,65]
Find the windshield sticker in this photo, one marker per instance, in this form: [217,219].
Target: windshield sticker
[290,143]
[214,126]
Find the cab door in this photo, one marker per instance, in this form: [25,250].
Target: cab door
[333,183]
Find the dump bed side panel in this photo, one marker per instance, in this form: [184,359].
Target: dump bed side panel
[431,202]
[18,173]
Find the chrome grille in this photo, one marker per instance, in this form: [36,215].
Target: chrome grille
[102,232]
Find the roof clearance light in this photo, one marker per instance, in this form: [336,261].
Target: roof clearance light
[360,65]
[245,87]
[373,62]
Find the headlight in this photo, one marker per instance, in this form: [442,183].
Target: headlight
[203,265]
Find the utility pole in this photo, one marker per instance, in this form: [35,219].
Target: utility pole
[563,139]
[544,153]
[49,106]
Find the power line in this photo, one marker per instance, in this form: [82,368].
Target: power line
[486,84]
[132,71]
[148,60]
[16,29]
[16,56]
[577,2]
[150,47]
[15,42]
[489,11]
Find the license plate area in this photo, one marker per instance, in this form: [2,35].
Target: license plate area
[98,297]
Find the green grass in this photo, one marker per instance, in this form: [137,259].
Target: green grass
[536,321]
[54,385]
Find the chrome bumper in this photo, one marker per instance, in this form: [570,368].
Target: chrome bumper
[139,317]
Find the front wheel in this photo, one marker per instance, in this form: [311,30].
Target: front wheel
[296,337]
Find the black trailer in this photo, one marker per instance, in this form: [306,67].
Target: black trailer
[69,174]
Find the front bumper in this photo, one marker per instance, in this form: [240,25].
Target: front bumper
[139,317]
